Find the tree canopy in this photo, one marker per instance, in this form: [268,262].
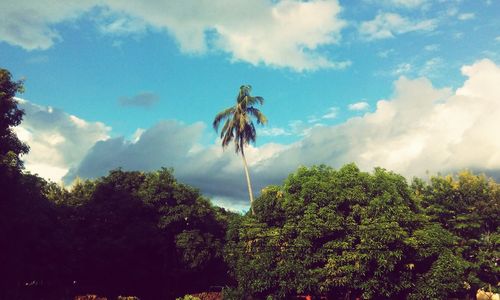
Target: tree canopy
[347,233]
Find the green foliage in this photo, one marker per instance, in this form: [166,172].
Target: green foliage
[468,206]
[10,116]
[238,126]
[444,278]
[349,233]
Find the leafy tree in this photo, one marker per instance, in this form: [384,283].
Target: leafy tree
[143,234]
[239,127]
[342,233]
[28,222]
[468,206]
[10,116]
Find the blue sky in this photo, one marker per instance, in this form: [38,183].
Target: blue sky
[129,68]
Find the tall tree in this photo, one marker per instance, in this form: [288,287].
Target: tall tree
[238,126]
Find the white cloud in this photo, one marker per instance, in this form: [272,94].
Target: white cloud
[363,105]
[497,39]
[299,127]
[29,24]
[408,3]
[402,3]
[386,53]
[57,140]
[331,113]
[119,23]
[401,69]
[272,131]
[421,129]
[432,47]
[466,16]
[431,67]
[283,34]
[388,25]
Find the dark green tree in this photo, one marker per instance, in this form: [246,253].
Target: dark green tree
[28,221]
[143,234]
[10,116]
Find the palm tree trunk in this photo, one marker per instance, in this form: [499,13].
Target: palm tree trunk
[248,180]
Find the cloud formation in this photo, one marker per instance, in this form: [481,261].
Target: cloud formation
[408,3]
[363,105]
[283,34]
[388,25]
[331,113]
[401,3]
[216,172]
[419,129]
[145,99]
[57,139]
[30,24]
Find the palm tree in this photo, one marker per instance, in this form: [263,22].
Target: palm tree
[239,126]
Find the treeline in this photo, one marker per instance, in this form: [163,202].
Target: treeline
[341,234]
[128,233]
[324,232]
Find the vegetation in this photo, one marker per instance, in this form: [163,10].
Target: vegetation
[324,232]
[347,233]
[240,128]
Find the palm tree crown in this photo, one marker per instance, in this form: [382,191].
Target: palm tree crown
[239,126]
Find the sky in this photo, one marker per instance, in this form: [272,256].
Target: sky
[412,86]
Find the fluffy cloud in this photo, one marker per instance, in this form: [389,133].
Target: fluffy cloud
[281,34]
[420,129]
[363,105]
[173,144]
[57,140]
[388,25]
[276,33]
[29,24]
